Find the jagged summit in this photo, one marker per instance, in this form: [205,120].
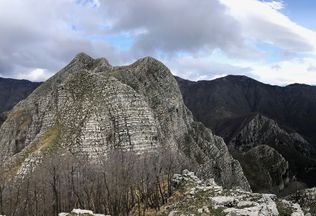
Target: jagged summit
[83,57]
[91,108]
[86,59]
[148,59]
[148,62]
[238,77]
[104,61]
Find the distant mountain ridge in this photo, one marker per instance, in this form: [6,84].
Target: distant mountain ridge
[228,106]
[12,91]
[212,102]
[285,155]
[247,114]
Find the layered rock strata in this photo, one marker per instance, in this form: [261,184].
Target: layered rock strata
[92,108]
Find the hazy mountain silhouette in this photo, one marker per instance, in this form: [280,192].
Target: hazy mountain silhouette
[216,101]
[248,113]
[12,91]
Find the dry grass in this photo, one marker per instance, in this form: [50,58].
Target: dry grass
[46,143]
[22,118]
[49,139]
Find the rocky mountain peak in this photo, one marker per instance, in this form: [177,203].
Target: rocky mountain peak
[149,63]
[87,62]
[104,62]
[83,57]
[149,59]
[91,108]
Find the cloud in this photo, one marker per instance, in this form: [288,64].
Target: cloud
[298,70]
[311,68]
[5,65]
[264,22]
[203,67]
[37,75]
[276,5]
[39,37]
[175,26]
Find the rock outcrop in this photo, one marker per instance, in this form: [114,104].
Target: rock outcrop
[306,198]
[288,154]
[198,197]
[90,108]
[265,169]
[257,129]
[82,212]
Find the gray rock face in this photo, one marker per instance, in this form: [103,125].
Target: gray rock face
[265,169]
[307,199]
[198,197]
[216,101]
[262,130]
[78,212]
[227,104]
[262,146]
[91,108]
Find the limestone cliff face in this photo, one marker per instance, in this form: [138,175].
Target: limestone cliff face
[91,108]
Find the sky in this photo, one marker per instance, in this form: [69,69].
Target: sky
[271,41]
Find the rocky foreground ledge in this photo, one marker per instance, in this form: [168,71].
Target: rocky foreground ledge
[197,197]
[80,212]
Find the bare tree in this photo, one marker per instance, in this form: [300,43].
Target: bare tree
[122,182]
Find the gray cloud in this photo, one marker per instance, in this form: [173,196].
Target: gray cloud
[47,34]
[279,35]
[178,25]
[40,35]
[204,68]
[311,68]
[5,65]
